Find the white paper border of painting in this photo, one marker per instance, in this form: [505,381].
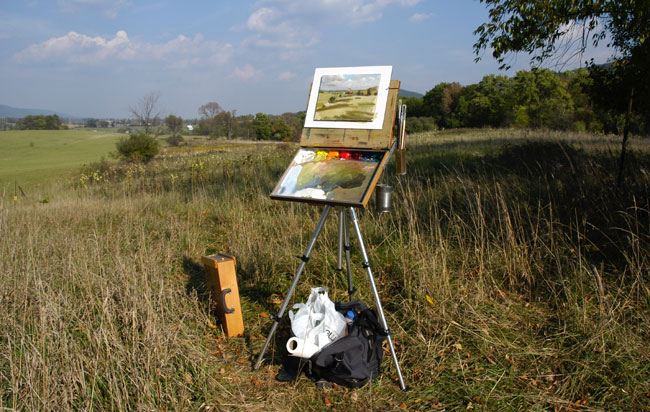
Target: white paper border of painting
[380,107]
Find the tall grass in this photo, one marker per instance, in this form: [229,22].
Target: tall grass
[513,272]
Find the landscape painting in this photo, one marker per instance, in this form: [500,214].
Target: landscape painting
[330,177]
[348,97]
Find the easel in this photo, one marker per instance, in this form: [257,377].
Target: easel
[334,137]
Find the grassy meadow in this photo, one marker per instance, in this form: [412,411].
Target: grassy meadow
[29,156]
[513,272]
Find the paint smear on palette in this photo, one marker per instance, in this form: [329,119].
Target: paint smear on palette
[311,176]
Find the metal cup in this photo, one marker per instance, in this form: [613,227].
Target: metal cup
[383,198]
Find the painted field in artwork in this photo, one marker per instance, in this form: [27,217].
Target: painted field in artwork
[312,175]
[349,97]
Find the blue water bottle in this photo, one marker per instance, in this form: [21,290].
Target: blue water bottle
[349,319]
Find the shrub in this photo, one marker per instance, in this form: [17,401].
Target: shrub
[137,148]
[175,140]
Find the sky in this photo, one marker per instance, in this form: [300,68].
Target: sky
[95,58]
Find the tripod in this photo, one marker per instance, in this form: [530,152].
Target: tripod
[344,245]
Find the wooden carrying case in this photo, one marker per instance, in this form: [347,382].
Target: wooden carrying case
[221,280]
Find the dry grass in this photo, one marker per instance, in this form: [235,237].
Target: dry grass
[513,273]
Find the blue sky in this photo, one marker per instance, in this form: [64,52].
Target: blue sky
[96,57]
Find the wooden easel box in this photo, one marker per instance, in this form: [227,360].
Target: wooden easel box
[220,276]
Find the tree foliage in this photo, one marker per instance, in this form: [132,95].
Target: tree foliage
[215,121]
[551,28]
[280,130]
[40,122]
[539,98]
[262,126]
[137,148]
[210,110]
[175,125]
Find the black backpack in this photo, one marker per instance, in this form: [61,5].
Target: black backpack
[355,359]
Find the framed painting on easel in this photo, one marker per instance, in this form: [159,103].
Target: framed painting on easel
[348,97]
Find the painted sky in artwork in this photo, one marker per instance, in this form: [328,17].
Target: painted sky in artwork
[313,176]
[349,81]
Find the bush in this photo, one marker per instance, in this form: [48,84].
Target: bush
[175,140]
[137,148]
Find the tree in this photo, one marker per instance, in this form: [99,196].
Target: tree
[243,127]
[223,123]
[262,126]
[544,29]
[41,122]
[231,120]
[414,105]
[210,110]
[175,124]
[146,111]
[280,130]
[544,98]
[137,147]
[448,104]
[209,113]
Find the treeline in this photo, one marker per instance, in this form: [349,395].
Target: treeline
[577,100]
[40,122]
[216,122]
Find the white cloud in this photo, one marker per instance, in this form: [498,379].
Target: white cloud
[76,48]
[247,72]
[420,17]
[109,8]
[286,76]
[350,11]
[275,28]
[297,25]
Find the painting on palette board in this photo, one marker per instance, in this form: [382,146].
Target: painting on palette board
[329,176]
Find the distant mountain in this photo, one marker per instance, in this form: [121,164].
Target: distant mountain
[8,111]
[408,93]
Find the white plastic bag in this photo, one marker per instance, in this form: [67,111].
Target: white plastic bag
[315,324]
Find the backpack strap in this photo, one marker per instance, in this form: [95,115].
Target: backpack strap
[355,305]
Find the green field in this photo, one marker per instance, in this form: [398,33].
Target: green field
[513,270]
[32,157]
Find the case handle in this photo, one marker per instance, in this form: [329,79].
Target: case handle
[223,301]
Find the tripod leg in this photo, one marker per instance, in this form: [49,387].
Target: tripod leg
[346,238]
[296,277]
[339,262]
[380,310]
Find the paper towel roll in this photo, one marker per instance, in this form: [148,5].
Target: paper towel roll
[300,348]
